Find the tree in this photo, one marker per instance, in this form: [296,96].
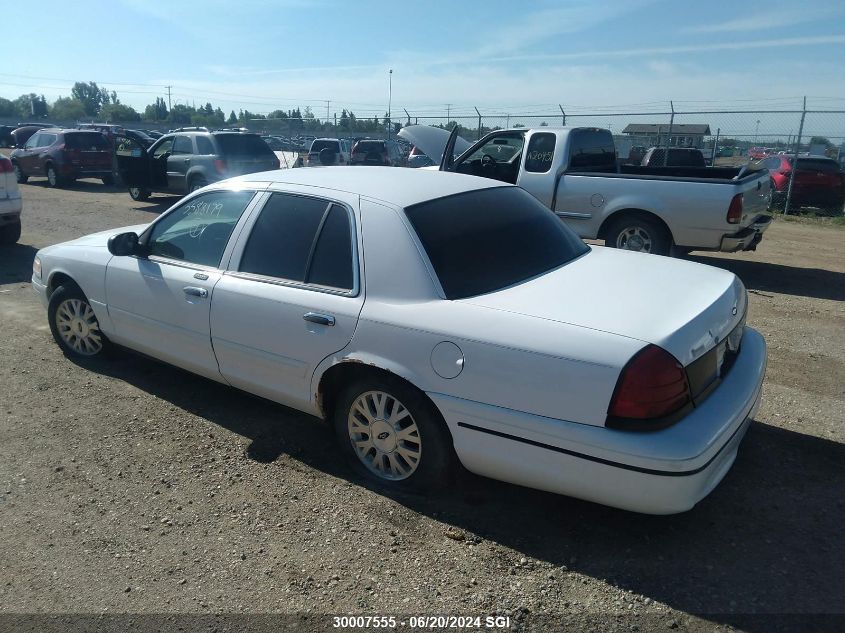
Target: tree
[67,109]
[119,113]
[90,96]
[232,118]
[181,114]
[31,106]
[7,108]
[821,140]
[156,111]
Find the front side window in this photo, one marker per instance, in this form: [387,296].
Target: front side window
[307,240]
[197,232]
[166,147]
[33,141]
[486,240]
[46,140]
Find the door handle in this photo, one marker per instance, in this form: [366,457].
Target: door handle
[195,292]
[320,319]
[187,160]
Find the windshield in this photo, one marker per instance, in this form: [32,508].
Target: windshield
[485,240]
[242,145]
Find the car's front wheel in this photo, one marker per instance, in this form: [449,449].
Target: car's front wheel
[136,193]
[392,433]
[73,323]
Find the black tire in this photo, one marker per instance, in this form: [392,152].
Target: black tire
[19,175]
[70,292]
[654,238]
[197,182]
[436,451]
[108,180]
[10,233]
[136,193]
[53,178]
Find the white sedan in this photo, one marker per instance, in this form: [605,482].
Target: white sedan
[433,318]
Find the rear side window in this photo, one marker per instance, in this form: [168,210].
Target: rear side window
[591,151]
[307,240]
[541,150]
[86,141]
[485,240]
[183,145]
[204,146]
[242,145]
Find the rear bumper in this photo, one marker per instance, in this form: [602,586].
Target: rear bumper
[748,238]
[78,171]
[660,472]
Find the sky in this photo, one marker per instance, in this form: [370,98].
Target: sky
[500,56]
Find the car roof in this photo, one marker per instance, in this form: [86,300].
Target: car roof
[399,187]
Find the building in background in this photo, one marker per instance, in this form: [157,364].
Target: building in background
[654,134]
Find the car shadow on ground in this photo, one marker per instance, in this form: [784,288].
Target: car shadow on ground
[737,558]
[16,263]
[157,204]
[792,280]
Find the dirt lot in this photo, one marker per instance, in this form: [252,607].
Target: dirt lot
[129,486]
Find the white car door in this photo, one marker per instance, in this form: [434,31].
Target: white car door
[291,298]
[159,303]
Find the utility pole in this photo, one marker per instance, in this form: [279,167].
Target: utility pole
[795,159]
[756,130]
[407,115]
[327,110]
[389,101]
[169,105]
[668,136]
[563,115]
[448,110]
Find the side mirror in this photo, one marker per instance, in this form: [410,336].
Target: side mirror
[123,244]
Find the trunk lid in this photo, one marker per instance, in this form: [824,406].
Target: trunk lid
[684,307]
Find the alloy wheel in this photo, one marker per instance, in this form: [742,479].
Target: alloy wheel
[634,238]
[384,435]
[78,326]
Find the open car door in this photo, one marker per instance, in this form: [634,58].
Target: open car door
[133,162]
[433,141]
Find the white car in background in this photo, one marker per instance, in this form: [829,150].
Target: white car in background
[433,318]
[10,203]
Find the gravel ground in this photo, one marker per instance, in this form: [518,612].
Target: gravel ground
[132,487]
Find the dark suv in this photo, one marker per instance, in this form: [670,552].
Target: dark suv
[182,162]
[375,152]
[63,156]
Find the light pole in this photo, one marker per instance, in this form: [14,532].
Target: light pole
[389,100]
[756,130]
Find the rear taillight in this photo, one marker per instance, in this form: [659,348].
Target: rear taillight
[735,210]
[6,165]
[220,165]
[651,388]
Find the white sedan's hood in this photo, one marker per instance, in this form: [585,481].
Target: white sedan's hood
[432,140]
[102,238]
[681,306]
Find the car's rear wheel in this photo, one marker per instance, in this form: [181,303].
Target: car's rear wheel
[198,182]
[392,434]
[637,233]
[10,233]
[19,175]
[136,193]
[73,323]
[53,179]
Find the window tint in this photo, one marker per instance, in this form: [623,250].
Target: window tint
[283,236]
[164,148]
[318,146]
[332,262]
[33,140]
[198,231]
[242,145]
[591,151]
[485,240]
[90,142]
[826,165]
[204,146]
[183,145]
[541,150]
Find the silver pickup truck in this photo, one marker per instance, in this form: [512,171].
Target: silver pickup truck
[574,171]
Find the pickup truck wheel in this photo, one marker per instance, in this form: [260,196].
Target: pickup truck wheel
[633,233]
[19,175]
[136,193]
[392,434]
[73,323]
[10,233]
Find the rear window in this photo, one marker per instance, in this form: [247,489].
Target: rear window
[369,146]
[817,164]
[678,158]
[318,146]
[86,141]
[485,240]
[242,145]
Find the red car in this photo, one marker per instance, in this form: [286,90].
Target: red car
[63,156]
[819,182]
[757,153]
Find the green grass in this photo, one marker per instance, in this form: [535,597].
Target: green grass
[812,219]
